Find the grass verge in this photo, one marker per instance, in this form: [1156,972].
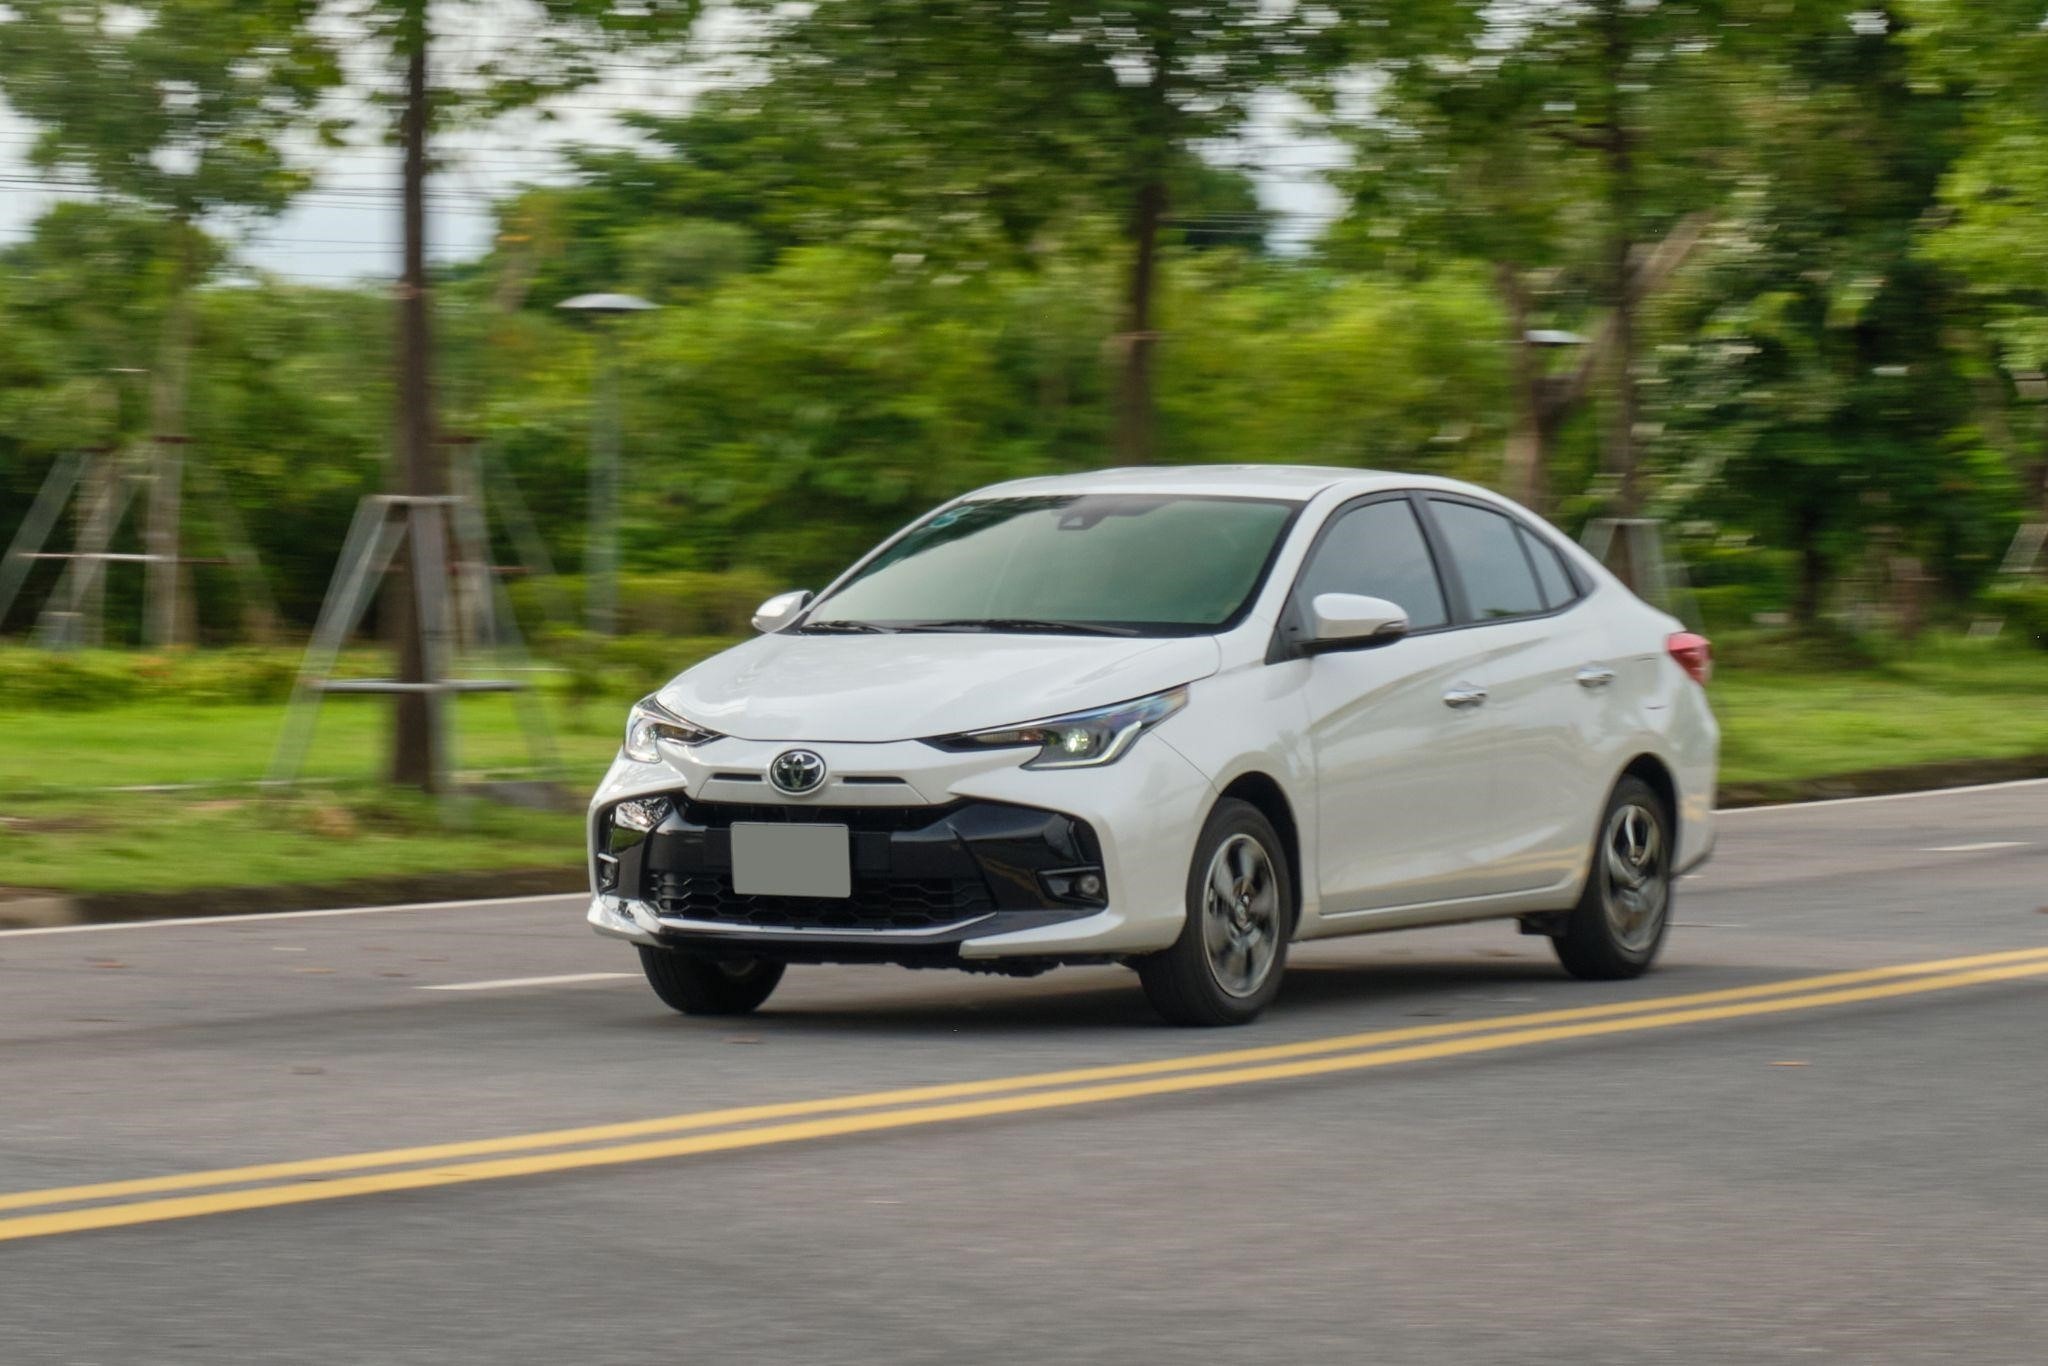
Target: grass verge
[1790,712]
[1786,715]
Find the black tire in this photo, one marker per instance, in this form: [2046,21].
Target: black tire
[697,985]
[1616,930]
[1226,966]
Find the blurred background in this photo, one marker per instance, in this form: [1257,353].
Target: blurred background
[634,314]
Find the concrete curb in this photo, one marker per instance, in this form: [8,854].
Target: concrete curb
[28,908]
[1886,782]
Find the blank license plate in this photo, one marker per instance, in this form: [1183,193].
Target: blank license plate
[792,860]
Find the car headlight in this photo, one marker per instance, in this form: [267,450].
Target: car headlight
[1080,739]
[650,722]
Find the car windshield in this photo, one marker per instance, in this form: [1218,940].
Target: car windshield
[1154,564]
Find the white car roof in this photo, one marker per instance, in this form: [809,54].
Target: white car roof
[1295,483]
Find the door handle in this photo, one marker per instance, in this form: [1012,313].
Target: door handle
[1595,676]
[1464,695]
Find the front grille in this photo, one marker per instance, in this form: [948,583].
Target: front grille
[877,903]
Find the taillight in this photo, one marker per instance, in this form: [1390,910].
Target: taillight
[1694,653]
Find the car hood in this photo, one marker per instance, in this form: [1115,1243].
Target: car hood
[918,685]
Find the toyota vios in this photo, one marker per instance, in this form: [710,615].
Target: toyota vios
[1171,718]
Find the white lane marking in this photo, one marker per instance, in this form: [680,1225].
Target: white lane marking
[1975,848]
[192,920]
[505,982]
[1886,797]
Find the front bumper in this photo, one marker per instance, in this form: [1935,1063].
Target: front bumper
[950,852]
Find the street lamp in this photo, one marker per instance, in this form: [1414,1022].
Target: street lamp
[601,558]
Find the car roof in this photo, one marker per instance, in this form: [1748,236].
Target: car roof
[1294,483]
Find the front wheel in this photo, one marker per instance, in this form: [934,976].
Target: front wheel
[1225,968]
[1619,923]
[697,985]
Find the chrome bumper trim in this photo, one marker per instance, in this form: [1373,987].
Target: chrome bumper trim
[672,922]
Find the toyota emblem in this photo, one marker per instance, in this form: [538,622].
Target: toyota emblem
[797,772]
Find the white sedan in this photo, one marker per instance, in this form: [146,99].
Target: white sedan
[1172,718]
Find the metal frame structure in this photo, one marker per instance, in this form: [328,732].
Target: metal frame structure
[103,483]
[459,601]
[1657,578]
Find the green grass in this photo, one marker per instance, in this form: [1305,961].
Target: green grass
[1789,711]
[149,743]
[146,842]
[1782,717]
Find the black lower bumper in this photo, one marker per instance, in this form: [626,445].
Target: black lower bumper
[924,879]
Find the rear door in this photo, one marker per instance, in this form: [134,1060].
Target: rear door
[1546,699]
[1402,774]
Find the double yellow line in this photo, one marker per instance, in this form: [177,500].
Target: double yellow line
[115,1204]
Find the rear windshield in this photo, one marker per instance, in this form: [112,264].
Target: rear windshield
[1156,564]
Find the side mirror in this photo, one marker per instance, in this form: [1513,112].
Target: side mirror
[1351,621]
[781,610]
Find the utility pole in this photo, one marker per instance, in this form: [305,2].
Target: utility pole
[416,715]
[601,555]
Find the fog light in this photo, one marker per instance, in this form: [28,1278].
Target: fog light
[642,813]
[1082,885]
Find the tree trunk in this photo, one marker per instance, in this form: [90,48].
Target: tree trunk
[416,717]
[167,614]
[1621,458]
[2041,470]
[1134,431]
[1525,461]
[1808,593]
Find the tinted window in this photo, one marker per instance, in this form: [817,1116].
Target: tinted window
[1378,550]
[1488,553]
[1557,585]
[1161,563]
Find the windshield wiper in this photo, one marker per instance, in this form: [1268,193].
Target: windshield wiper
[863,628]
[1071,628]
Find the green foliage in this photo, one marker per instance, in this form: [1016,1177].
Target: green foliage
[187,106]
[670,604]
[899,267]
[2024,607]
[93,679]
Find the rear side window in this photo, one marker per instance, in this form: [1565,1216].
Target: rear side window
[1378,551]
[1556,584]
[1487,550]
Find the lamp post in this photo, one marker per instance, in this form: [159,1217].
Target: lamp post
[601,557]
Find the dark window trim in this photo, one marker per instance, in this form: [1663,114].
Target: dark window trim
[1284,644]
[1464,615]
[1531,547]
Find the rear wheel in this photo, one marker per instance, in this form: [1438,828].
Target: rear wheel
[1225,968]
[697,985]
[1619,923]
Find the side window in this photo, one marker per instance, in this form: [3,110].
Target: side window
[1378,550]
[1556,584]
[1487,550]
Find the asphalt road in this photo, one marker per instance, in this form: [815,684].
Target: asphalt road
[1849,1169]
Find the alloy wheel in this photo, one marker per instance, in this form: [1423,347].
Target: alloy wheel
[1638,891]
[1241,915]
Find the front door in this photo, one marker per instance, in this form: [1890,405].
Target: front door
[1402,763]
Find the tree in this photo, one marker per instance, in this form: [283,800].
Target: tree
[1016,114]
[185,108]
[552,48]
[1992,56]
[1820,386]
[1571,147]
